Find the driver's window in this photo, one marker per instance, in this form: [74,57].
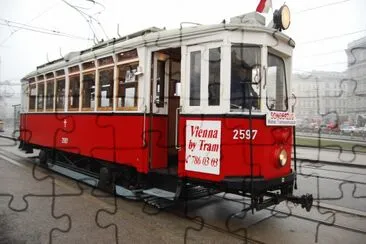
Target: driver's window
[245,78]
[160,84]
[276,90]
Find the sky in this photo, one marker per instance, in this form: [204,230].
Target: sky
[321,28]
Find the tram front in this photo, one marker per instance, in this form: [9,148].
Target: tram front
[237,121]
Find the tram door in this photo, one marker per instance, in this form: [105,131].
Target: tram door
[165,95]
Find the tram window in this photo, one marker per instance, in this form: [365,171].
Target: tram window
[88,93]
[160,84]
[40,77]
[88,65]
[195,79]
[127,55]
[74,92]
[127,87]
[32,96]
[60,94]
[129,97]
[60,72]
[245,85]
[214,77]
[74,69]
[50,85]
[106,88]
[40,97]
[105,61]
[276,92]
[49,75]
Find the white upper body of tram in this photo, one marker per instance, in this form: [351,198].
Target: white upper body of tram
[201,59]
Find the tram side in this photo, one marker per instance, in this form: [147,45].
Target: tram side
[210,106]
[92,109]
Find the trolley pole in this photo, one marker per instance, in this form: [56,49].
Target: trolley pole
[294,139]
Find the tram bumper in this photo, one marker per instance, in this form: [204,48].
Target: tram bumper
[258,187]
[258,184]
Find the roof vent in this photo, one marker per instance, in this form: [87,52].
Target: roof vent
[71,55]
[252,18]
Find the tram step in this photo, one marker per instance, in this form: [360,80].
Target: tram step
[159,202]
[157,192]
[130,194]
[93,181]
[195,192]
[164,182]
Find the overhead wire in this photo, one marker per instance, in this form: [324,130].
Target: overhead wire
[84,15]
[332,37]
[321,6]
[36,17]
[42,30]
[326,38]
[321,54]
[89,18]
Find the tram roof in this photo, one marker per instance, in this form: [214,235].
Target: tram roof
[252,22]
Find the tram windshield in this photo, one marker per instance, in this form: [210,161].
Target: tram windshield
[245,78]
[276,92]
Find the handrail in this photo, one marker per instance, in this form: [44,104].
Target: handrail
[144,130]
[176,127]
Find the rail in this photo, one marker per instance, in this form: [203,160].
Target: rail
[176,127]
[144,130]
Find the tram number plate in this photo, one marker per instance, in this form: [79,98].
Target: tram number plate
[244,134]
[64,140]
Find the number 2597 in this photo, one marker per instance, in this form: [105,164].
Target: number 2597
[244,134]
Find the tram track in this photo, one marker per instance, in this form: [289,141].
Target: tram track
[322,209]
[319,167]
[225,231]
[201,223]
[327,208]
[344,164]
[199,220]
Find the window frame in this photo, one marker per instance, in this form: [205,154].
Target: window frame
[204,76]
[32,82]
[101,69]
[72,75]
[53,80]
[84,73]
[219,83]
[59,78]
[42,82]
[258,84]
[50,77]
[62,82]
[195,101]
[135,84]
[270,52]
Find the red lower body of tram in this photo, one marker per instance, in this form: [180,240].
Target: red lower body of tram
[233,154]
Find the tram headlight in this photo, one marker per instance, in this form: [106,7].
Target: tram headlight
[282,158]
[281,18]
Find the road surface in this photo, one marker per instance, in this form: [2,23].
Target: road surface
[38,206]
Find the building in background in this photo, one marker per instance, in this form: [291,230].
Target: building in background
[319,95]
[10,93]
[356,74]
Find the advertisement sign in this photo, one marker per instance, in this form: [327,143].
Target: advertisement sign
[203,144]
[280,118]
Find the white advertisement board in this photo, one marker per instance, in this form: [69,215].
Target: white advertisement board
[203,145]
[280,118]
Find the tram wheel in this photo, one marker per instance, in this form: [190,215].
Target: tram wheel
[43,156]
[106,182]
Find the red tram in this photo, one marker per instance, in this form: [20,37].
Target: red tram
[159,111]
